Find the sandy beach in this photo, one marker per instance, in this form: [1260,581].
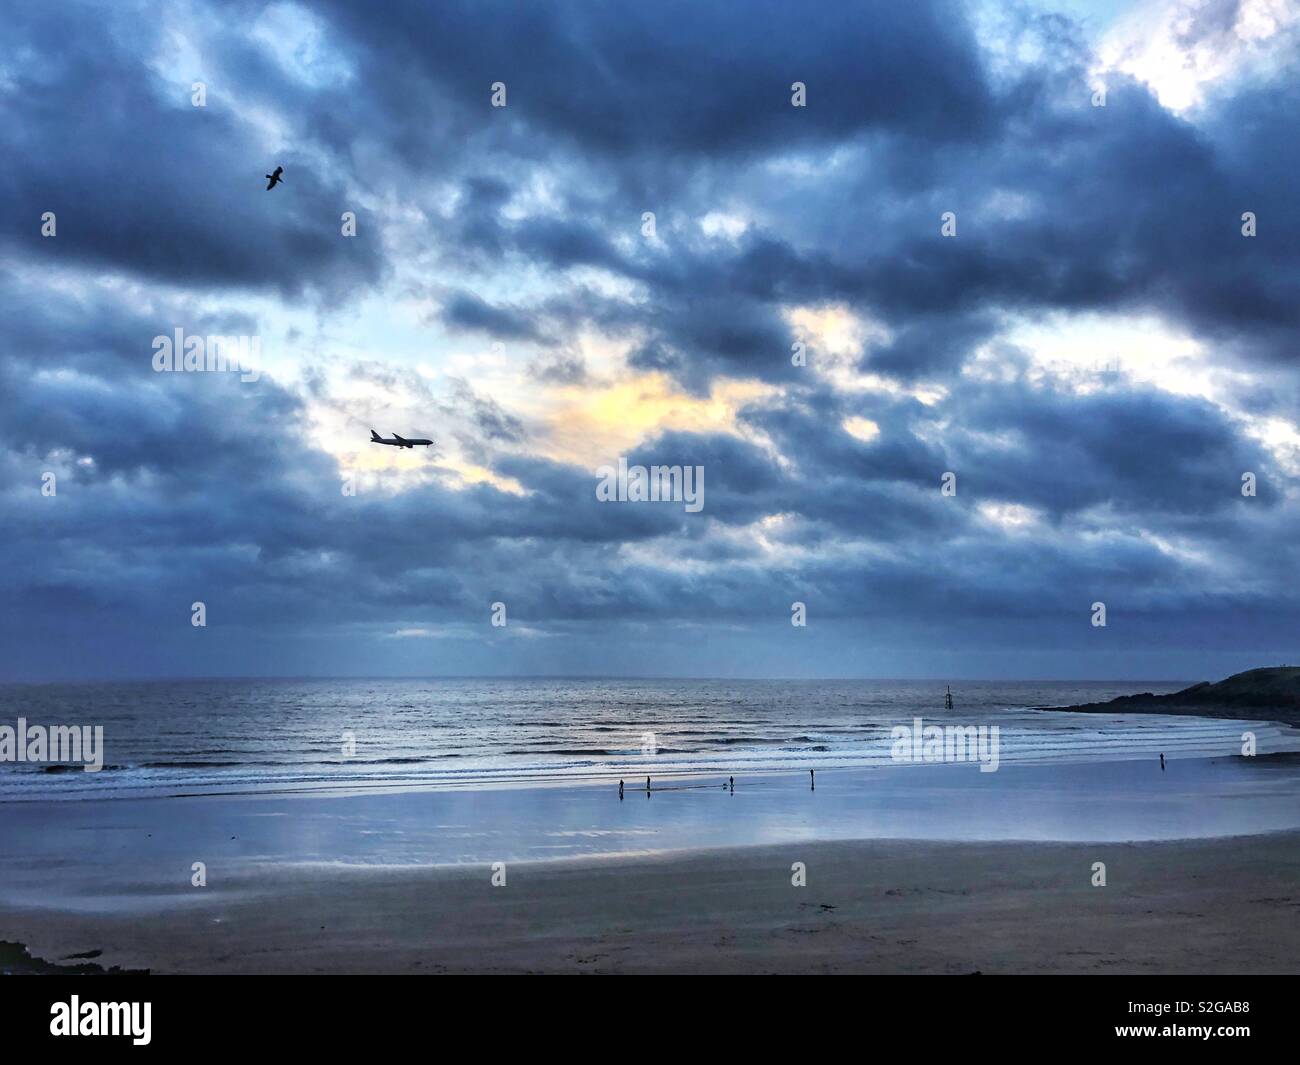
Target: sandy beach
[1209,906]
[686,880]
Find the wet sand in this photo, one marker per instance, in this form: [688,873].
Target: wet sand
[1203,906]
[939,869]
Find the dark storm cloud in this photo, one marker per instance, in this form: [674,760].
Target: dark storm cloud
[1139,452]
[466,311]
[679,76]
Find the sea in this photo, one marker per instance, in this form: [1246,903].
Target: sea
[263,736]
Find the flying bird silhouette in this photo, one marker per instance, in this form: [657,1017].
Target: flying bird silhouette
[274,179]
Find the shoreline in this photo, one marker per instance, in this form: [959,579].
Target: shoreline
[602,780]
[1261,715]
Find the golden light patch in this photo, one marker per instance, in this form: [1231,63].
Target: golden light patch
[830,329]
[837,339]
[863,429]
[399,469]
[589,426]
[468,473]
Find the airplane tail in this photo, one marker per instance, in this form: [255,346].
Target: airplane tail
[374,436]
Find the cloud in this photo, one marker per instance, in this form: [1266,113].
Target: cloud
[1098,355]
[1183,50]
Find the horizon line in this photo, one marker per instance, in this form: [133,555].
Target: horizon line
[599,676]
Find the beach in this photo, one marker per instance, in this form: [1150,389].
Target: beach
[687,879]
[1206,906]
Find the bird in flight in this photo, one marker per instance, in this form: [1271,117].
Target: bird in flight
[397,441]
[274,179]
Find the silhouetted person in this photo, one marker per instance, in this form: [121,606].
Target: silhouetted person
[1162,759]
[647,784]
[620,791]
[732,782]
[274,178]
[812,776]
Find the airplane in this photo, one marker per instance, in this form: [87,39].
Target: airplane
[274,178]
[397,441]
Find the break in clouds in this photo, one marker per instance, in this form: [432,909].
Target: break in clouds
[664,262]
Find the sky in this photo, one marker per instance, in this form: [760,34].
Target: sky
[1000,247]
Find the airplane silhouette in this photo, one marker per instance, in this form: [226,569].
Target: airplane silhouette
[274,179]
[397,441]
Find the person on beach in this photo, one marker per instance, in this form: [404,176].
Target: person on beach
[732,782]
[1162,759]
[647,787]
[620,791]
[812,776]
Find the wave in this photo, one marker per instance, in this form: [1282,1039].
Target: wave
[262,745]
[77,767]
[594,752]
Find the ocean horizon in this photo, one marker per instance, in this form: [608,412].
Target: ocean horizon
[338,734]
